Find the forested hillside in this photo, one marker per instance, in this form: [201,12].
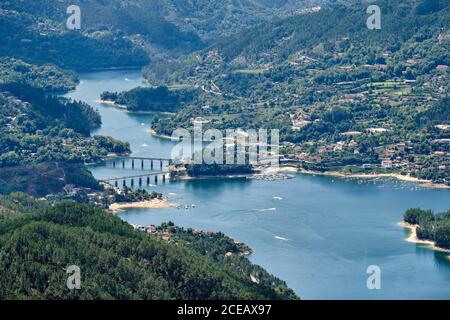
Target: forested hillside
[345,98]
[116,262]
[430,226]
[119,33]
[159,99]
[45,140]
[41,40]
[340,94]
[47,77]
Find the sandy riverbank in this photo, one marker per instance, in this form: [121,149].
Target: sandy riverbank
[151,204]
[413,237]
[274,170]
[423,183]
[162,136]
[111,104]
[125,108]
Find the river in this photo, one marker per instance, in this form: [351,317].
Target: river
[317,233]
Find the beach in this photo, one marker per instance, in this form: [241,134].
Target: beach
[413,238]
[397,176]
[151,204]
[227,206]
[420,182]
[111,104]
[125,108]
[273,170]
[162,136]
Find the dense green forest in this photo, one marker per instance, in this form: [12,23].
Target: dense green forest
[41,127]
[160,99]
[130,195]
[118,33]
[78,116]
[40,40]
[169,23]
[47,77]
[345,98]
[434,227]
[340,94]
[42,179]
[197,170]
[44,144]
[45,140]
[37,244]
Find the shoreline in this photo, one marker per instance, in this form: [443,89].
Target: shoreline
[412,238]
[286,169]
[161,136]
[206,177]
[124,108]
[102,69]
[397,176]
[111,104]
[148,204]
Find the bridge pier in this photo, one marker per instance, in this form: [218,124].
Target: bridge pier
[144,177]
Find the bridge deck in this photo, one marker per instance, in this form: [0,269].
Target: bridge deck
[152,174]
[136,158]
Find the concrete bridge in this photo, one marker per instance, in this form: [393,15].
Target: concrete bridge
[138,163]
[122,162]
[138,180]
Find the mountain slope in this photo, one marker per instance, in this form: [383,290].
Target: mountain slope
[116,33]
[164,20]
[336,36]
[115,261]
[340,94]
[40,40]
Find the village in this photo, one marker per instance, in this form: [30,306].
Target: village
[168,232]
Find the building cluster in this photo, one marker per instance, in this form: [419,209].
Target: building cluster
[396,157]
[164,234]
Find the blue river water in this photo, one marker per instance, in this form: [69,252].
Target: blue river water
[317,233]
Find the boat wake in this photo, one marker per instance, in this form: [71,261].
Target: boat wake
[281,238]
[263,210]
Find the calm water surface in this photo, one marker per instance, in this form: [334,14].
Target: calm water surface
[319,234]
